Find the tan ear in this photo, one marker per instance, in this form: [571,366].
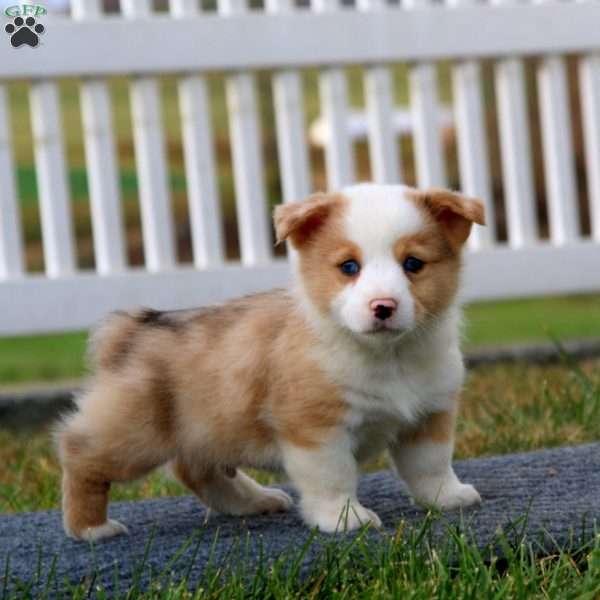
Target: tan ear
[299,220]
[454,211]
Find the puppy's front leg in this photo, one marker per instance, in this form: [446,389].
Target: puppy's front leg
[423,458]
[327,478]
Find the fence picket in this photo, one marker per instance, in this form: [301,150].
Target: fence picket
[155,203]
[251,201]
[589,77]
[248,169]
[473,156]
[206,222]
[558,150]
[11,242]
[429,155]
[472,146]
[290,124]
[333,90]
[379,96]
[51,172]
[105,197]
[100,153]
[515,149]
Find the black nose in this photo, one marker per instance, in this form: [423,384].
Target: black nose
[383,312]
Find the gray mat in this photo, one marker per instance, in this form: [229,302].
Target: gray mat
[551,498]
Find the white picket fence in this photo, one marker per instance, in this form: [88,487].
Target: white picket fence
[284,39]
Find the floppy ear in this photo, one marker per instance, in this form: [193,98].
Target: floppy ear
[299,220]
[454,211]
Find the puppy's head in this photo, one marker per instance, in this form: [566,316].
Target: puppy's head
[379,260]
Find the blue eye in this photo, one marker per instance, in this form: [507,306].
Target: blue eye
[413,265]
[350,267]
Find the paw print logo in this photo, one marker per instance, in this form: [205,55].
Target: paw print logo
[24,31]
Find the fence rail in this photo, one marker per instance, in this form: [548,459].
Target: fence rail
[253,40]
[282,40]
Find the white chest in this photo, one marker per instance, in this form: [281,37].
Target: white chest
[390,388]
[376,417]
[386,398]
[401,396]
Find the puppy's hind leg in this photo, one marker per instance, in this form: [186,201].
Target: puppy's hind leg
[102,443]
[85,489]
[229,490]
[85,503]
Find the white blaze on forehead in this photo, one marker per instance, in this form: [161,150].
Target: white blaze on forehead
[377,215]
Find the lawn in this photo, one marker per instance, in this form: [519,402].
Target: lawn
[532,320]
[504,409]
[400,566]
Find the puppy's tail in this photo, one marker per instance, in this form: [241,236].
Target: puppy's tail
[112,340]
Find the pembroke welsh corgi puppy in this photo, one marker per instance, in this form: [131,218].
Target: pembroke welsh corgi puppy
[360,355]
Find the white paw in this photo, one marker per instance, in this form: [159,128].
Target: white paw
[107,530]
[272,500]
[446,494]
[339,515]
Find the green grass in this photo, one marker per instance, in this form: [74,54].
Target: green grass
[78,184]
[533,320]
[51,358]
[42,358]
[403,565]
[504,409]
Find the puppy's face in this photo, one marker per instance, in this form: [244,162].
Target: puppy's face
[379,260]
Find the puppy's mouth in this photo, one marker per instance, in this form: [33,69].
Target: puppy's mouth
[380,328]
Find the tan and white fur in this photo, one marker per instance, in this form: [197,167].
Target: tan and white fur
[314,379]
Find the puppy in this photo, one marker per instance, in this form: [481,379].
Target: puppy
[361,355]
